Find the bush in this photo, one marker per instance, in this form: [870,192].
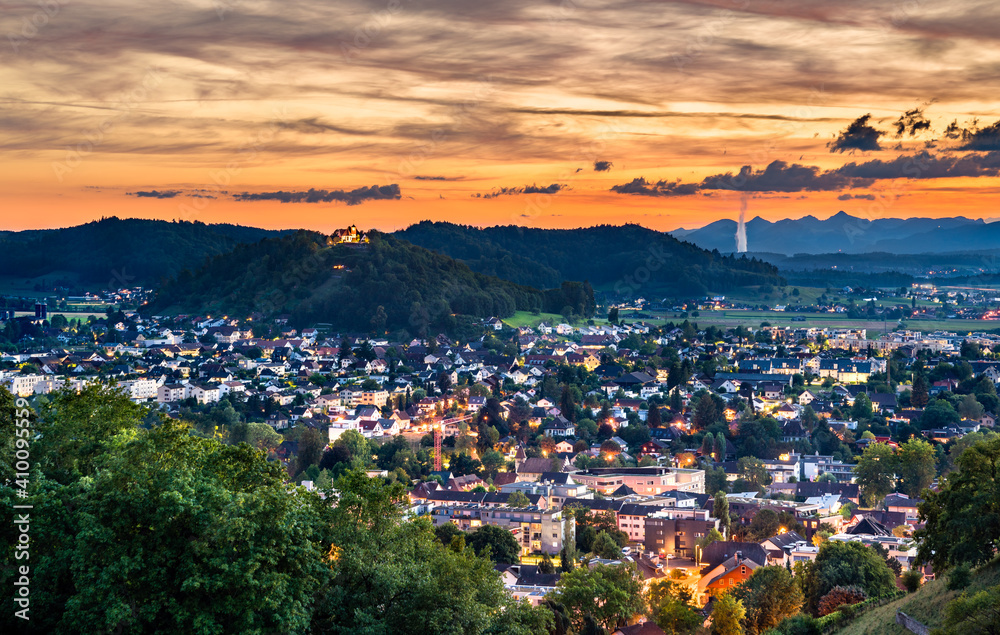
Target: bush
[802,624]
[960,577]
[912,580]
[840,598]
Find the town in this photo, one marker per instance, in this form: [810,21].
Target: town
[697,456]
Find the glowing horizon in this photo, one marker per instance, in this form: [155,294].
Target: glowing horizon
[633,111]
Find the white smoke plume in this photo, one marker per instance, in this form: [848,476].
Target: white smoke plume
[741,229]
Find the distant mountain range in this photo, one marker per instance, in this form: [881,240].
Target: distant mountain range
[845,233]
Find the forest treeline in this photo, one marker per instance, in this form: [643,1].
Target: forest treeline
[384,285]
[623,259]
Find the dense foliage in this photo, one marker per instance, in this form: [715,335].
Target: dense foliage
[386,284]
[126,252]
[151,529]
[962,519]
[844,564]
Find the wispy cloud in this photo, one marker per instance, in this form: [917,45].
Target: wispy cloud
[527,189]
[352,197]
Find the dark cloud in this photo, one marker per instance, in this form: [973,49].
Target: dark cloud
[975,138]
[527,189]
[922,165]
[778,176]
[911,122]
[642,187]
[847,197]
[858,136]
[353,197]
[437,178]
[155,194]
[602,166]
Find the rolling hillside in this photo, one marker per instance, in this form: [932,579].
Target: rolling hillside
[127,251]
[312,281]
[628,260]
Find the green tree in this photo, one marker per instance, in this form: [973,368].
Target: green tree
[875,472]
[379,320]
[424,587]
[915,466]
[705,413]
[845,564]
[707,445]
[920,394]
[862,408]
[765,524]
[728,615]
[654,419]
[969,408]
[605,546]
[977,614]
[716,480]
[912,579]
[75,430]
[492,462]
[355,444]
[611,594]
[719,447]
[545,565]
[939,414]
[502,544]
[670,608]
[585,537]
[518,499]
[769,595]
[447,532]
[167,518]
[962,519]
[720,510]
[752,471]
[262,436]
[311,445]
[713,535]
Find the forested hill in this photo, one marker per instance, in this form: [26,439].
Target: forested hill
[610,257]
[129,252]
[346,285]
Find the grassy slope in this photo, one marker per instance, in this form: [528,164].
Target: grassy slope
[927,605]
[529,319]
[526,318]
[731,318]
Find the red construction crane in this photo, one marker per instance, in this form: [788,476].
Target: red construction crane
[438,432]
[437,447]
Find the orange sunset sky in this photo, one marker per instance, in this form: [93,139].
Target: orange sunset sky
[187,109]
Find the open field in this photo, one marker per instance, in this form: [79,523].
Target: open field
[733,318]
[69,315]
[927,605]
[807,296]
[526,318]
